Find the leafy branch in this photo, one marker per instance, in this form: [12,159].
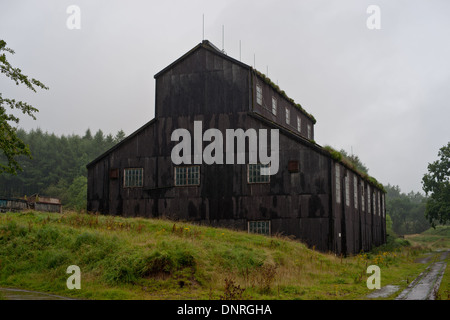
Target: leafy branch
[11,145]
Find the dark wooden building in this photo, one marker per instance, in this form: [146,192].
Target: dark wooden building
[313,196]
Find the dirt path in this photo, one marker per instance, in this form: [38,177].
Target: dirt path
[19,294]
[425,286]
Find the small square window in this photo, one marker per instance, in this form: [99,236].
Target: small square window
[259,94]
[259,227]
[288,116]
[114,174]
[293,166]
[187,176]
[133,177]
[254,173]
[274,106]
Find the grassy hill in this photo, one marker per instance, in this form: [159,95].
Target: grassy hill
[432,238]
[137,258]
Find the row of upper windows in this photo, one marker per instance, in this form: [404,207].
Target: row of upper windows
[377,197]
[259,100]
[190,176]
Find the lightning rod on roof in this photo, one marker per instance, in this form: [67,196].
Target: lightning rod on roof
[223,38]
[203,29]
[240,50]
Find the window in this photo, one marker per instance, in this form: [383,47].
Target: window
[347,191]
[133,177]
[114,173]
[187,176]
[299,124]
[274,106]
[309,131]
[369,203]
[355,191]
[259,94]
[288,116]
[382,204]
[362,198]
[379,206]
[338,183]
[260,227]
[254,173]
[374,204]
[293,166]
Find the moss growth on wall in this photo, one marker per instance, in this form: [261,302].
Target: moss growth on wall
[282,93]
[338,156]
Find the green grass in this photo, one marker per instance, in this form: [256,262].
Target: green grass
[432,238]
[136,258]
[444,289]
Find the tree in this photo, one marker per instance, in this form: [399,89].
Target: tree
[354,159]
[119,136]
[437,183]
[77,194]
[407,211]
[11,145]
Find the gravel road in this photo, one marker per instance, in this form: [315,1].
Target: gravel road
[425,286]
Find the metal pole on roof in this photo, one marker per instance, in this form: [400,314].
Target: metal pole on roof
[203,27]
[240,50]
[223,38]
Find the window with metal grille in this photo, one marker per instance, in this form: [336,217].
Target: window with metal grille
[259,227]
[187,176]
[274,105]
[133,177]
[254,173]
[259,94]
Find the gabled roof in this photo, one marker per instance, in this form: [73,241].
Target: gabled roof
[205,44]
[126,139]
[211,47]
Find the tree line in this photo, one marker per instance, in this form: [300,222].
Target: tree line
[57,167]
[407,211]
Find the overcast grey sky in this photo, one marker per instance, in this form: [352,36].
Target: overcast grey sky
[383,93]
